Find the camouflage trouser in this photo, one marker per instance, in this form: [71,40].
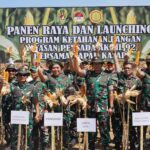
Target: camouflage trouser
[14,137]
[117,126]
[40,134]
[6,113]
[103,122]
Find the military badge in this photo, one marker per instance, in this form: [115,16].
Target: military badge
[62,15]
[78,17]
[96,16]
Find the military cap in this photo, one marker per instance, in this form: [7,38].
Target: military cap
[97,60]
[11,67]
[23,71]
[111,61]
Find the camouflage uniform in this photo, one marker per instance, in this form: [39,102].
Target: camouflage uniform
[145,95]
[61,82]
[6,107]
[44,135]
[90,79]
[19,90]
[124,83]
[103,85]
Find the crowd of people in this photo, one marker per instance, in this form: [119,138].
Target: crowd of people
[100,89]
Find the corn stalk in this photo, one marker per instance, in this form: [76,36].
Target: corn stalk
[52,135]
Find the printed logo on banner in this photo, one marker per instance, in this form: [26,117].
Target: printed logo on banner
[78,17]
[96,16]
[62,15]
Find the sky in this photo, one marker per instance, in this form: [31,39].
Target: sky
[71,3]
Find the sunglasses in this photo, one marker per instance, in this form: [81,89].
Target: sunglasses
[127,68]
[23,75]
[11,70]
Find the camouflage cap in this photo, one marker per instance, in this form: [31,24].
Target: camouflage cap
[110,61]
[11,67]
[23,70]
[97,60]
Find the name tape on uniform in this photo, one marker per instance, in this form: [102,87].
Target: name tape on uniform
[20,117]
[53,119]
[141,118]
[86,124]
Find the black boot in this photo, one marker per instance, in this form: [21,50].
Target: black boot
[117,146]
[91,146]
[105,147]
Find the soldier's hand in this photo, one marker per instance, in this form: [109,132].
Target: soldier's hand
[37,118]
[110,111]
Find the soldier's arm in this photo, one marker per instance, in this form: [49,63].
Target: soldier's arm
[41,75]
[36,105]
[77,68]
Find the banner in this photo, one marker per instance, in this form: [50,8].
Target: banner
[54,31]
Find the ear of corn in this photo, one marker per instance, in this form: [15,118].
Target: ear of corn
[38,57]
[129,52]
[115,40]
[75,48]
[28,19]
[113,15]
[6,75]
[131,18]
[137,57]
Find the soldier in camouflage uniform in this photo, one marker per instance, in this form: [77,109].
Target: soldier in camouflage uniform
[145,95]
[40,89]
[22,99]
[58,80]
[125,81]
[6,103]
[92,78]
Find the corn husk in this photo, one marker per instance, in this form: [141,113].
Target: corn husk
[50,102]
[133,93]
[129,52]
[83,90]
[77,98]
[33,48]
[25,100]
[75,48]
[5,89]
[23,54]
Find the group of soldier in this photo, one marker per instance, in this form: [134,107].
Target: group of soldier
[109,92]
